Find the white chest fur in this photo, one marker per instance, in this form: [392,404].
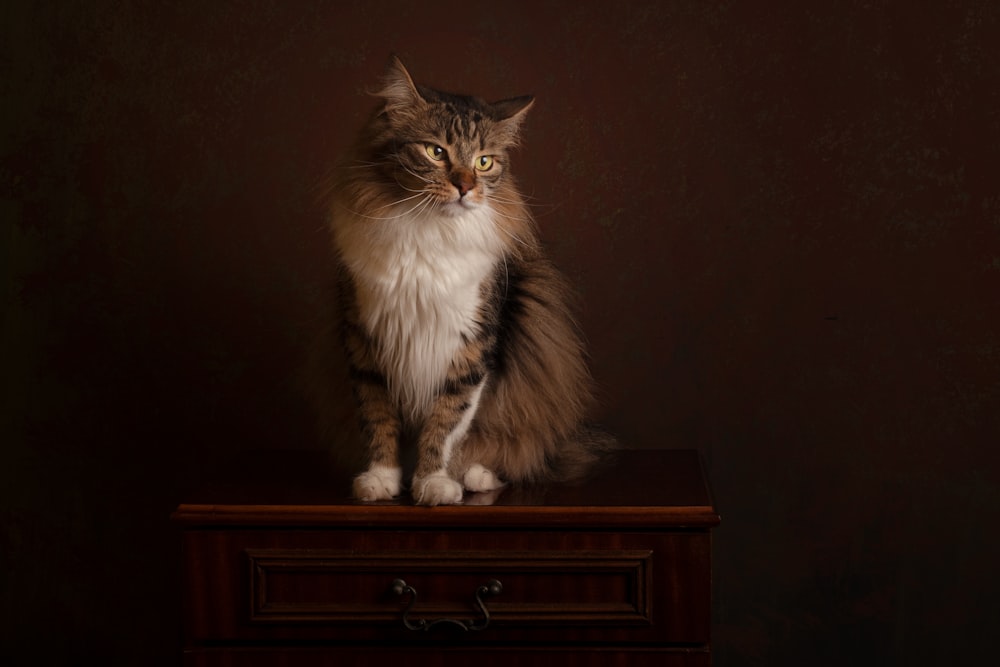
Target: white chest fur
[419,284]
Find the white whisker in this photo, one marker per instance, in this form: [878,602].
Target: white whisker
[516,199]
[426,198]
[506,216]
[400,201]
[501,200]
[362,164]
[427,204]
[512,235]
[409,171]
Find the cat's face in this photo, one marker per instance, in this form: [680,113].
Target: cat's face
[445,153]
[452,156]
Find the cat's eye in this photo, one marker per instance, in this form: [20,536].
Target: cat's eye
[484,162]
[434,151]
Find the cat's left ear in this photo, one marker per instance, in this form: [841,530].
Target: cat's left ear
[511,112]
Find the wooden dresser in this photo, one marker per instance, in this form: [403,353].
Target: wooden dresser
[281,568]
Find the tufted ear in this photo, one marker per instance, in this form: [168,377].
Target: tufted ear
[398,89]
[511,112]
[515,106]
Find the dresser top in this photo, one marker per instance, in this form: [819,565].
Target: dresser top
[638,488]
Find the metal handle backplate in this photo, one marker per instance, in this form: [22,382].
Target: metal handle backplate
[491,587]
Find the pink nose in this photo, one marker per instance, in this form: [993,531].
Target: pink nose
[463,182]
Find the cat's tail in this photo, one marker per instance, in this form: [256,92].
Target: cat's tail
[583,454]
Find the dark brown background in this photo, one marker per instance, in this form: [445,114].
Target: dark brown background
[785,222]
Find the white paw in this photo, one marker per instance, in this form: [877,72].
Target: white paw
[479,479]
[437,489]
[378,483]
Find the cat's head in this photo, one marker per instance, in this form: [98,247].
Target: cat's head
[451,149]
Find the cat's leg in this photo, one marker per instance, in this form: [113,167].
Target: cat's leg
[442,434]
[380,420]
[382,427]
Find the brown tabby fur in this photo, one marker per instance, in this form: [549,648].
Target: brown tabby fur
[519,346]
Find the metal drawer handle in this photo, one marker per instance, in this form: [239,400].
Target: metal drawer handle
[491,587]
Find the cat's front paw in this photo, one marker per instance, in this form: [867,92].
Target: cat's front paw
[436,489]
[480,479]
[378,483]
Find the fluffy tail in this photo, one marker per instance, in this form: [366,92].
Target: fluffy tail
[587,452]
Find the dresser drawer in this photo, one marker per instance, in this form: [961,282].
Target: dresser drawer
[430,586]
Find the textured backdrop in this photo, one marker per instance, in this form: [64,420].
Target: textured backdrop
[785,223]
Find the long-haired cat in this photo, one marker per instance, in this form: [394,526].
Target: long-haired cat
[458,331]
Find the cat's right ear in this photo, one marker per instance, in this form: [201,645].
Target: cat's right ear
[398,89]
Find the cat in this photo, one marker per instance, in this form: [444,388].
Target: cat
[459,332]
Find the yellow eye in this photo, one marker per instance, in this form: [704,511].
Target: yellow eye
[434,151]
[484,162]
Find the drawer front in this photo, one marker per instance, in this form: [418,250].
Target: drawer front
[467,589]
[438,586]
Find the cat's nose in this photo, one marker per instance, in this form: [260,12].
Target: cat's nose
[463,182]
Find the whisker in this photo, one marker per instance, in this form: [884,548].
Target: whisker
[519,198]
[416,207]
[367,164]
[506,200]
[512,235]
[400,201]
[421,208]
[422,204]
[505,216]
[414,174]
[503,200]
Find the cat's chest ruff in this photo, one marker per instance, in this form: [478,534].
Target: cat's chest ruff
[419,292]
